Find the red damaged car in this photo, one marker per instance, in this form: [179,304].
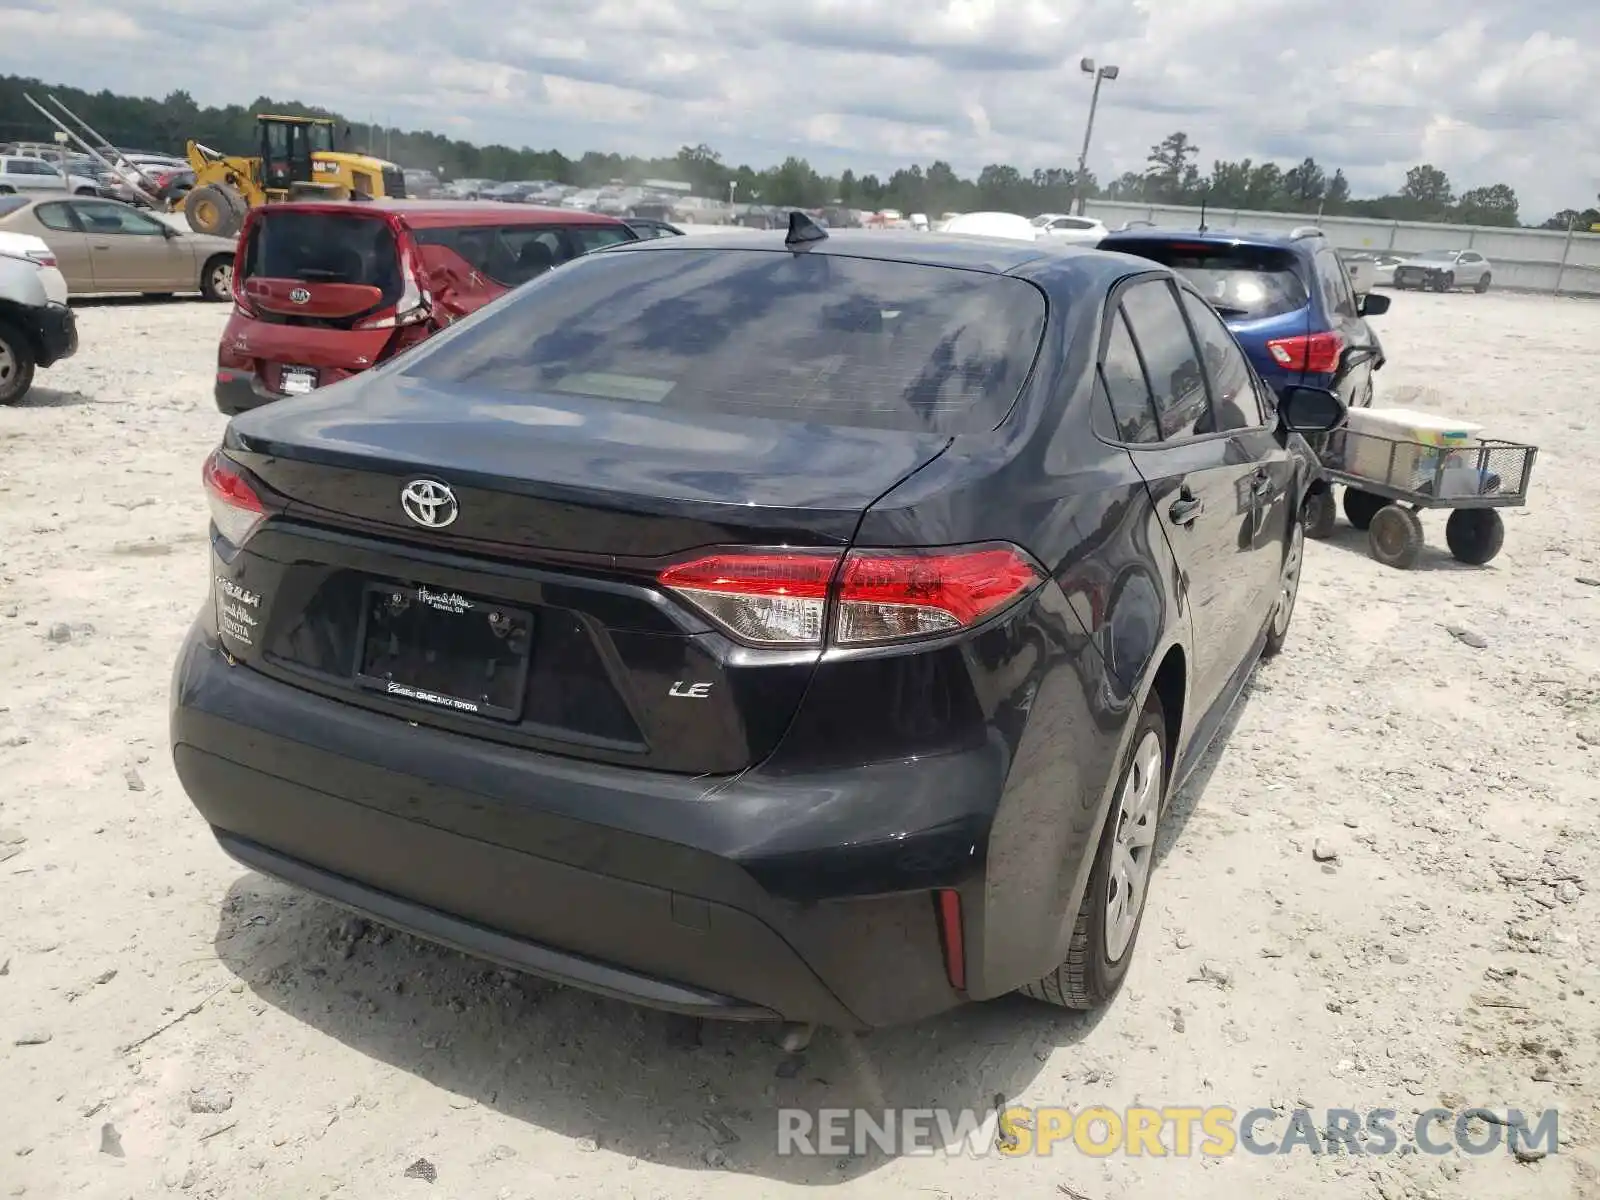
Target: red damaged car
[325,290]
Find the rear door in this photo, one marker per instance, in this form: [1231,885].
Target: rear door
[1201,478]
[131,252]
[61,232]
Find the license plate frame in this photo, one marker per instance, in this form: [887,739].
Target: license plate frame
[298,380]
[429,612]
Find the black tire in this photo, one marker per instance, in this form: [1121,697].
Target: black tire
[1482,285]
[7,190]
[1320,513]
[1088,977]
[1395,536]
[1294,556]
[216,278]
[214,209]
[1475,535]
[1360,507]
[16,363]
[1447,281]
[86,191]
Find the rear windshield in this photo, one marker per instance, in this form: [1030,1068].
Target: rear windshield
[1242,282]
[513,254]
[799,337]
[325,248]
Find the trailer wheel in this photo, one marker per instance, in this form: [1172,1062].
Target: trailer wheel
[1475,535]
[1360,507]
[1395,536]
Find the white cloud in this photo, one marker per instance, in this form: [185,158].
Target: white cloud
[1490,90]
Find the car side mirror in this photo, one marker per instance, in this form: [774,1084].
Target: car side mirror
[1374,305]
[1304,409]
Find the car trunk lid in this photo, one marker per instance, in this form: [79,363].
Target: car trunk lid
[566,513]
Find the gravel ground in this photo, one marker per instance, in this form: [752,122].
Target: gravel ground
[169,1021]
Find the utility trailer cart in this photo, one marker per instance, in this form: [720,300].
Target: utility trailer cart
[1388,482]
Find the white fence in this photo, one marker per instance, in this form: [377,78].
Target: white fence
[1535,260]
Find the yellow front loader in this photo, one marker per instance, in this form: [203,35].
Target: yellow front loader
[297,160]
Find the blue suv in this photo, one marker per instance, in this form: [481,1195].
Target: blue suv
[1286,297]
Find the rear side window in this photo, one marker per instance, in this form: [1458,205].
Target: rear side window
[1242,282]
[1122,376]
[325,248]
[10,204]
[1177,381]
[511,255]
[798,337]
[1233,400]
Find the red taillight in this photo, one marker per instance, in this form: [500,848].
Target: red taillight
[1318,352]
[776,598]
[782,598]
[236,509]
[44,258]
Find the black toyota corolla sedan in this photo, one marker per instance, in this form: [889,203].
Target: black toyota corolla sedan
[761,627]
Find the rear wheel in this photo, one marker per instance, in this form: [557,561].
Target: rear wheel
[16,363]
[1483,284]
[1360,507]
[1475,535]
[1108,920]
[216,278]
[214,209]
[1395,536]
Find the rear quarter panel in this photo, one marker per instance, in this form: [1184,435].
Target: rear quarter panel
[1066,685]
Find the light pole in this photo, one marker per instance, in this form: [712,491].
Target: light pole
[1100,76]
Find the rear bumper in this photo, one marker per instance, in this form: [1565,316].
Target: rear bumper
[240,391]
[58,334]
[806,899]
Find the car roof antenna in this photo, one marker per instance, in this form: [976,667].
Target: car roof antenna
[803,231]
[1204,196]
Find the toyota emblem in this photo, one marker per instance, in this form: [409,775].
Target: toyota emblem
[429,503]
[300,296]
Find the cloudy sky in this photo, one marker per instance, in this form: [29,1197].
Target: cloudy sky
[1491,90]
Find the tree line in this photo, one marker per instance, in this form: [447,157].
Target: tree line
[1172,173]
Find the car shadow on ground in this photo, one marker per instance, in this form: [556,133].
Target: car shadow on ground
[135,301]
[670,1090]
[48,397]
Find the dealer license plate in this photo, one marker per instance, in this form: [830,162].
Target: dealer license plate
[439,648]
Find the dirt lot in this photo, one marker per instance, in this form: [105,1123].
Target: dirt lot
[169,1021]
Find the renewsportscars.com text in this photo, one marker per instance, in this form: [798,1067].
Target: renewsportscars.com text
[1171,1131]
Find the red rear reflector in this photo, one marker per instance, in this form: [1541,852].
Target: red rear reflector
[236,510]
[781,597]
[948,905]
[1318,352]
